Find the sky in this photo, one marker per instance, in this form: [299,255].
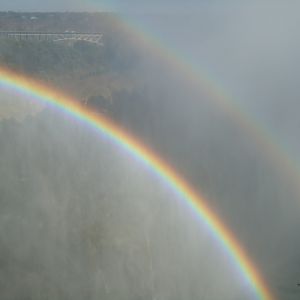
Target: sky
[115,5]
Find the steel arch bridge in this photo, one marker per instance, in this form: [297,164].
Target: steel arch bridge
[94,38]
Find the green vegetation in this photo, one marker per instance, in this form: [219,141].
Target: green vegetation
[81,69]
[49,58]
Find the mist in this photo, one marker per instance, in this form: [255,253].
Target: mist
[250,51]
[80,218]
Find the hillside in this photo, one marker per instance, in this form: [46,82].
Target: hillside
[89,72]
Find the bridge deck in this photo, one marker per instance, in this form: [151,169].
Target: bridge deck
[53,36]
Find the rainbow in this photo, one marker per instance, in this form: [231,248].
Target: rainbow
[275,152]
[24,86]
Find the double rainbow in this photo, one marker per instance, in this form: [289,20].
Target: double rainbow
[24,86]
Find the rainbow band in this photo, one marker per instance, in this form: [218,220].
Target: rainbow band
[197,203]
[275,152]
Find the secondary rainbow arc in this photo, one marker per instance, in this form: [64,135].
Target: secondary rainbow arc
[25,86]
[275,152]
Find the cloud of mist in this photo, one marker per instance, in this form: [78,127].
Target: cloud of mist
[251,51]
[81,219]
[17,107]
